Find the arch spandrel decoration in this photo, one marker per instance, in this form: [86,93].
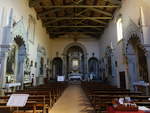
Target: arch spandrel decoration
[19,40]
[19,30]
[138,42]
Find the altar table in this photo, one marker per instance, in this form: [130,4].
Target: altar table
[111,110]
[15,86]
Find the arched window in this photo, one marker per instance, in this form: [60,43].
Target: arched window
[119,29]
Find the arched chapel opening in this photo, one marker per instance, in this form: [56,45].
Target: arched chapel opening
[57,67]
[137,61]
[15,61]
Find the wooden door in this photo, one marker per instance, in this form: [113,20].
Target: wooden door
[122,80]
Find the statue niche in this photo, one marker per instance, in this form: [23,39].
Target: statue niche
[15,61]
[75,59]
[93,67]
[10,67]
[42,66]
[57,65]
[27,69]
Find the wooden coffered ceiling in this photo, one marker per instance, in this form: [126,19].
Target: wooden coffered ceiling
[68,16]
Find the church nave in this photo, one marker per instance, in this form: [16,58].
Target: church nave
[56,55]
[73,100]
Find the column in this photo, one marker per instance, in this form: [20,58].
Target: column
[3,60]
[148,66]
[20,70]
[85,64]
[64,65]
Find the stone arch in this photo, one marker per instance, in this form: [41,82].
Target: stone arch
[136,59]
[138,40]
[57,66]
[93,67]
[18,47]
[75,44]
[65,57]
[132,31]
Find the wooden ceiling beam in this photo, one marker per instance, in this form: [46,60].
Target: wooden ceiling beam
[100,11]
[79,22]
[89,33]
[53,21]
[93,29]
[114,1]
[95,19]
[76,26]
[78,6]
[59,19]
[74,19]
[48,12]
[78,14]
[35,3]
[81,12]
[78,18]
[73,32]
[98,21]
[83,18]
[78,2]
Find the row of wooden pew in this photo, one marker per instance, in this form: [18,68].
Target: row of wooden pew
[41,98]
[101,95]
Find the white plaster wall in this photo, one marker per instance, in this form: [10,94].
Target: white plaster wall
[130,9]
[91,45]
[21,9]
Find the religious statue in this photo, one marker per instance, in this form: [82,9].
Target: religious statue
[10,69]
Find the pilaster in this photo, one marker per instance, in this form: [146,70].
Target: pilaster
[3,60]
[148,64]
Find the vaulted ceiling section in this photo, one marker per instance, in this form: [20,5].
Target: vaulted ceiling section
[89,17]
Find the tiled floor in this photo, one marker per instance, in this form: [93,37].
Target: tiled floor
[73,100]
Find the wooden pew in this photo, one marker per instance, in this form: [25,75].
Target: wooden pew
[33,104]
[41,97]
[101,95]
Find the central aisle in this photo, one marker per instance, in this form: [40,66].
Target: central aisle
[73,100]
